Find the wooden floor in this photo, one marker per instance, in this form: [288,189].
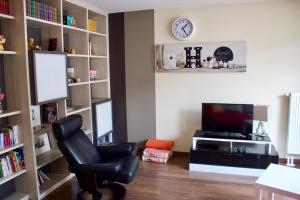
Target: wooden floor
[173,181]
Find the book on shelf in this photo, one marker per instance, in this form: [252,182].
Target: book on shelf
[11,162]
[4,7]
[39,9]
[9,136]
[42,177]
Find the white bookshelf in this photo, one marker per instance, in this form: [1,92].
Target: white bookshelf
[16,61]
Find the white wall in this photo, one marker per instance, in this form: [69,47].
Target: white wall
[272,32]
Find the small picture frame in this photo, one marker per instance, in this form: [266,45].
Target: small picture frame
[42,144]
[36,116]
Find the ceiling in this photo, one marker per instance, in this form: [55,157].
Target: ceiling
[113,6]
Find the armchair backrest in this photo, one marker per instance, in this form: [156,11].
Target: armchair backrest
[73,142]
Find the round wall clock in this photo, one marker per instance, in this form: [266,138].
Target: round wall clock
[182,28]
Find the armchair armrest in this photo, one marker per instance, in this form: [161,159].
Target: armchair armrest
[107,169]
[110,152]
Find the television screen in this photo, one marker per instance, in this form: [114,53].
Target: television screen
[232,118]
[50,76]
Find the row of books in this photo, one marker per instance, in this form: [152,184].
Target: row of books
[11,162]
[42,177]
[9,136]
[4,7]
[156,155]
[41,10]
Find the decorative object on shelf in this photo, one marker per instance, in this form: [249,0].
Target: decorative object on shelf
[70,21]
[71,76]
[52,44]
[261,115]
[183,28]
[50,113]
[42,144]
[202,57]
[36,116]
[2,42]
[92,25]
[93,75]
[2,96]
[32,45]
[41,10]
[4,8]
[72,51]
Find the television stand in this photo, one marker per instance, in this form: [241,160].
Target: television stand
[231,156]
[224,135]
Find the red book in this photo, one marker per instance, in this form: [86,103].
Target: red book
[12,163]
[1,6]
[7,7]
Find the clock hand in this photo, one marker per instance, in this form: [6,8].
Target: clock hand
[186,25]
[183,30]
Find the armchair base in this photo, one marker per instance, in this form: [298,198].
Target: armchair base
[118,192]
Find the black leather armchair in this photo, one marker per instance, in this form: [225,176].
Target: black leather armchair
[95,166]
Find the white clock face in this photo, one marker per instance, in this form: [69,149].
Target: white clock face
[182,28]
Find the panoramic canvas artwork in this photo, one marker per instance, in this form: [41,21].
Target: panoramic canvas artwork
[202,57]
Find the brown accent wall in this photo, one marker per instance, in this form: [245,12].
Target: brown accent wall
[117,76]
[140,74]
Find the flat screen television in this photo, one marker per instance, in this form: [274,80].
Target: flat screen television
[228,118]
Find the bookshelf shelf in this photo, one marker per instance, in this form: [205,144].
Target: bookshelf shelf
[78,84]
[46,128]
[9,113]
[41,22]
[56,180]
[47,157]
[4,16]
[17,196]
[95,56]
[11,148]
[12,176]
[78,110]
[88,131]
[74,28]
[8,52]
[96,33]
[99,81]
[78,55]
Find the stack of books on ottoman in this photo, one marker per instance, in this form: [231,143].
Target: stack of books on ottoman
[158,150]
